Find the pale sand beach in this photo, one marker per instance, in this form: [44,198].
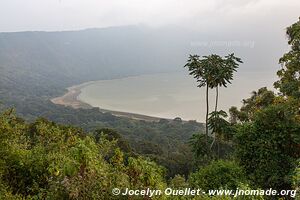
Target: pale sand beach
[71,97]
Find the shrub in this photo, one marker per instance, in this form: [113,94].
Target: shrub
[216,175]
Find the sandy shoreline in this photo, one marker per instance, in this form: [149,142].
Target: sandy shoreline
[71,99]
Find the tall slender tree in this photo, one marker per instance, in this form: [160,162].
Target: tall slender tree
[199,69]
[212,71]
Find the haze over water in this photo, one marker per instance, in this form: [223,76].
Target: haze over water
[170,95]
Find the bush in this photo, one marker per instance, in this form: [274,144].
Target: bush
[268,147]
[216,175]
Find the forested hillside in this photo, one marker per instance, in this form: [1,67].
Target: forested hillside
[70,57]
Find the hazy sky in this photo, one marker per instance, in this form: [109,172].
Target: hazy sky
[20,15]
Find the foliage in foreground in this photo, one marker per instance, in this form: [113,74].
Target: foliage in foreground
[268,147]
[43,160]
[218,174]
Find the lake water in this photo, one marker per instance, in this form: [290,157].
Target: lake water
[169,95]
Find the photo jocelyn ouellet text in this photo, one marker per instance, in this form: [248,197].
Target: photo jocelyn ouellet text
[198,192]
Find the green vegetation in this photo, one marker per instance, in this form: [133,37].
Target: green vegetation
[218,174]
[44,160]
[257,148]
[268,147]
[268,126]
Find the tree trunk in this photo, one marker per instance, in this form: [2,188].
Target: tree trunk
[217,98]
[216,109]
[218,148]
[206,118]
